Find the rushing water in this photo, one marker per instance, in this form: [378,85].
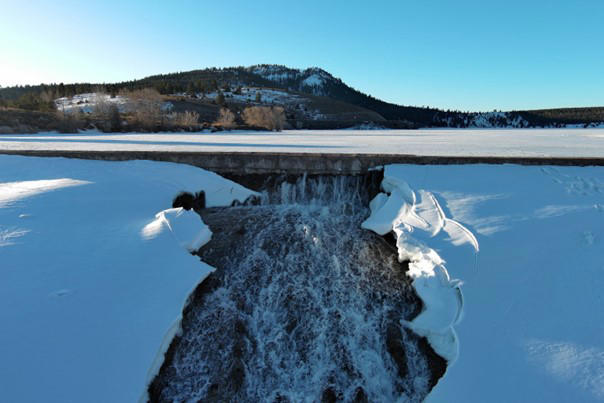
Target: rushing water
[304,306]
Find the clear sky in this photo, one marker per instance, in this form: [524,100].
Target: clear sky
[468,55]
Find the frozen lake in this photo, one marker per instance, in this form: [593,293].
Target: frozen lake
[430,142]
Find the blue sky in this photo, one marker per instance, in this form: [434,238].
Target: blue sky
[468,55]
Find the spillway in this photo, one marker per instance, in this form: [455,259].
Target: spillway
[304,305]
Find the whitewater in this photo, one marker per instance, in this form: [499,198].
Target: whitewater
[306,306]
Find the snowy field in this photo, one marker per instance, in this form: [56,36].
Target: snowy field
[92,281]
[530,325]
[507,259]
[450,142]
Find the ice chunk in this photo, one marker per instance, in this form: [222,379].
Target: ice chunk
[187,227]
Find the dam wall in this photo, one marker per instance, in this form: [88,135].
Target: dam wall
[245,163]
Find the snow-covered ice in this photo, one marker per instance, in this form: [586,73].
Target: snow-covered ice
[447,142]
[532,327]
[94,273]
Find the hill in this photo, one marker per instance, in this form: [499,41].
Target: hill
[311,98]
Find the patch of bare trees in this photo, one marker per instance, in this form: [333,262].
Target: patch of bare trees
[70,122]
[147,107]
[269,117]
[106,114]
[187,119]
[226,119]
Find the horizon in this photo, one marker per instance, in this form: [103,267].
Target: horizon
[458,57]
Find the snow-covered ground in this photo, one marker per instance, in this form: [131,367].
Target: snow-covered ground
[496,119]
[94,273]
[90,103]
[267,96]
[86,103]
[510,120]
[449,142]
[91,279]
[533,323]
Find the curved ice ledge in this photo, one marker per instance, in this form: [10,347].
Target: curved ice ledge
[407,212]
[191,233]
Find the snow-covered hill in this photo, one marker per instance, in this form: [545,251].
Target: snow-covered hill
[314,81]
[311,80]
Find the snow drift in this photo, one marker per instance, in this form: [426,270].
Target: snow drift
[94,272]
[532,323]
[406,212]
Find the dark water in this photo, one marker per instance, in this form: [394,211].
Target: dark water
[304,306]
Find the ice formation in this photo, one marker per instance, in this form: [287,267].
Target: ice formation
[407,213]
[190,232]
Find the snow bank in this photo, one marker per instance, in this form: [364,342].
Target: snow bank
[532,327]
[407,213]
[94,273]
[183,224]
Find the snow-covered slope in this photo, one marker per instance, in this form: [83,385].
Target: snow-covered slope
[532,327]
[496,119]
[267,96]
[94,273]
[510,120]
[310,80]
[89,103]
[86,103]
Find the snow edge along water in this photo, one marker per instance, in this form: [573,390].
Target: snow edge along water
[184,226]
[406,212]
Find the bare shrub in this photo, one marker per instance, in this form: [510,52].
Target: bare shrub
[185,119]
[48,96]
[271,118]
[102,107]
[226,118]
[146,106]
[106,114]
[70,122]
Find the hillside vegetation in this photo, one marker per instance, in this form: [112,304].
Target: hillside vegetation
[310,99]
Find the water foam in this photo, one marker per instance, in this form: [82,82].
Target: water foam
[307,306]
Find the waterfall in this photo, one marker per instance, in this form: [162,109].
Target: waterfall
[304,306]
